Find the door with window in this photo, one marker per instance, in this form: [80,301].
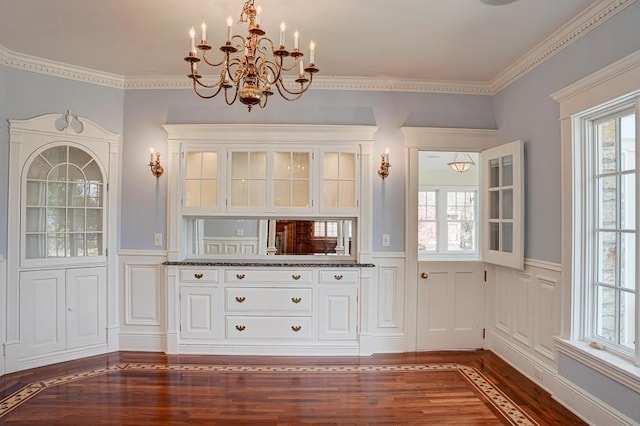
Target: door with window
[464,219]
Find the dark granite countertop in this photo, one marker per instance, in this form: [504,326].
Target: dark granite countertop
[270,265]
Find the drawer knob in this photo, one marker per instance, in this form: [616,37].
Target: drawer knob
[198,276]
[337,277]
[240,327]
[295,277]
[296,299]
[424,275]
[296,328]
[240,299]
[240,276]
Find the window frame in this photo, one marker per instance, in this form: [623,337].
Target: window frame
[584,232]
[441,252]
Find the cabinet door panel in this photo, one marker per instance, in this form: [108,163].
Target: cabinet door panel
[86,306]
[337,314]
[199,312]
[42,311]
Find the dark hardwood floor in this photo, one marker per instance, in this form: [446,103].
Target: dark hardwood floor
[136,388]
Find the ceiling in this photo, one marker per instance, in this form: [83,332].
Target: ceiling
[423,40]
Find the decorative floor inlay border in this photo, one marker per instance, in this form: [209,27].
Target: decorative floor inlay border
[501,402]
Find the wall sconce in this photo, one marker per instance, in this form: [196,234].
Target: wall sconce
[156,168]
[383,170]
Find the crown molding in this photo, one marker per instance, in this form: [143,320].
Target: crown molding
[593,16]
[24,62]
[570,32]
[333,83]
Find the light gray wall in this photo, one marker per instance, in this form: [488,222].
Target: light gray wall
[525,111]
[613,393]
[28,94]
[147,110]
[4,165]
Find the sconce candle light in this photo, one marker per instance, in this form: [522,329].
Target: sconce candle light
[383,170]
[156,168]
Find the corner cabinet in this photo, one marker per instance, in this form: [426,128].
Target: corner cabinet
[61,290]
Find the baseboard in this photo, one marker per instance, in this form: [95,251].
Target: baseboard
[14,362]
[370,344]
[143,342]
[582,404]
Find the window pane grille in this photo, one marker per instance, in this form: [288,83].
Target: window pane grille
[614,254]
[447,221]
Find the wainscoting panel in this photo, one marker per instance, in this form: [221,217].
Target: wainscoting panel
[526,310]
[522,307]
[142,298]
[383,311]
[141,294]
[546,324]
[503,301]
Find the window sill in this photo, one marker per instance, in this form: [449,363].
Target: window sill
[606,363]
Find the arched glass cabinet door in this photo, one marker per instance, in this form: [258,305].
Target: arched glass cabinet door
[64,206]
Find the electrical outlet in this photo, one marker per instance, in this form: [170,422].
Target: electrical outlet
[538,373]
[386,240]
[157,239]
[239,232]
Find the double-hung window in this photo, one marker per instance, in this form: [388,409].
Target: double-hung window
[608,186]
[448,222]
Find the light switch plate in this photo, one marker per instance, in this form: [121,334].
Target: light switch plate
[157,239]
[386,240]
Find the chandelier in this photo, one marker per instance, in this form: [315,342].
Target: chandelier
[250,66]
[461,165]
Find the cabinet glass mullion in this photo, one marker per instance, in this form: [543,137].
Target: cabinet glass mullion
[248,183]
[201,179]
[291,181]
[63,205]
[339,179]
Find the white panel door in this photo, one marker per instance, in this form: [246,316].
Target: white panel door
[338,313]
[42,311]
[200,309]
[86,306]
[450,305]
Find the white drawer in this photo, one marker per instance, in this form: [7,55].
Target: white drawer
[334,276]
[269,276]
[199,275]
[269,328]
[268,300]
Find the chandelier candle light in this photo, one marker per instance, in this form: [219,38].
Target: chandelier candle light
[245,71]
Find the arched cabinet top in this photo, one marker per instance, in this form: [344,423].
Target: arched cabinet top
[62,127]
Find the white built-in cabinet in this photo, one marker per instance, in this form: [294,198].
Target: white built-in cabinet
[222,305]
[60,303]
[293,180]
[62,309]
[285,309]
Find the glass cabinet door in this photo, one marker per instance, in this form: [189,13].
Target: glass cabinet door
[201,179]
[291,179]
[339,171]
[248,179]
[64,205]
